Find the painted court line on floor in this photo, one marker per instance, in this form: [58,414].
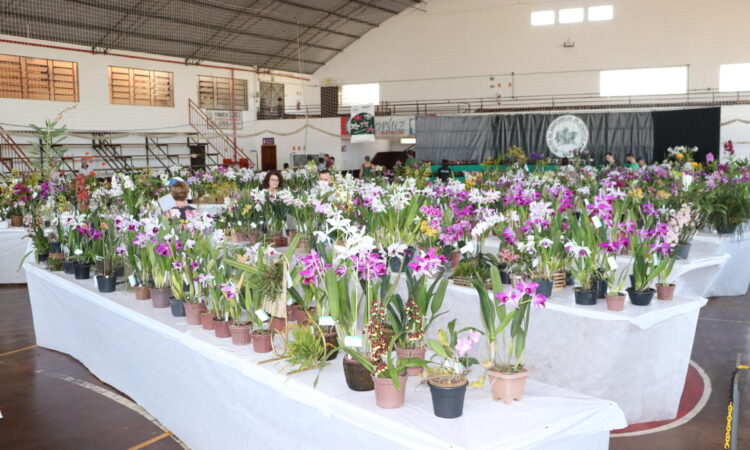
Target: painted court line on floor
[116,398]
[684,419]
[17,350]
[151,441]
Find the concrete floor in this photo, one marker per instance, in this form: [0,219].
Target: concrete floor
[50,401]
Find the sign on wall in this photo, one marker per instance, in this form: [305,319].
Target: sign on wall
[385,127]
[269,141]
[225,119]
[362,123]
[566,134]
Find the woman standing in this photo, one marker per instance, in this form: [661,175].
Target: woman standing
[273,181]
[366,170]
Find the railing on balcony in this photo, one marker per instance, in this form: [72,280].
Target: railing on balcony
[528,103]
[11,154]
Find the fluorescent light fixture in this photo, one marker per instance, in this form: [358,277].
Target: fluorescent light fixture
[734,77]
[601,13]
[542,18]
[408,140]
[360,94]
[571,15]
[656,81]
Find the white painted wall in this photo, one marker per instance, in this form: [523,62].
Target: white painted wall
[453,49]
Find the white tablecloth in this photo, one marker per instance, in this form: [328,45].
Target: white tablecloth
[13,247]
[637,358]
[734,278]
[214,395]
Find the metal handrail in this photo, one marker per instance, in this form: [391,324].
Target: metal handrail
[209,131]
[15,154]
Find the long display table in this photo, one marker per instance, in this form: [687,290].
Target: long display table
[215,395]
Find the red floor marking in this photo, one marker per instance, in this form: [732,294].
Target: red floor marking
[691,395]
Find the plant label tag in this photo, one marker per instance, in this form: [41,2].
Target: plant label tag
[596,221]
[34,195]
[353,341]
[132,280]
[535,262]
[612,262]
[656,260]
[94,278]
[288,280]
[468,248]
[261,315]
[326,321]
[290,302]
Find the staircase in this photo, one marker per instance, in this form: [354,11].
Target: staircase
[160,152]
[111,155]
[11,155]
[219,142]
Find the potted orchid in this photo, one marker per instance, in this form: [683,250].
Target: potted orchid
[161,252]
[507,314]
[652,255]
[448,381]
[583,254]
[426,291]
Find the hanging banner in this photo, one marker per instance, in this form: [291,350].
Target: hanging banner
[362,123]
[226,120]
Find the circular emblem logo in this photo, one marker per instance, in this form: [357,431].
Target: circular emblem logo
[566,134]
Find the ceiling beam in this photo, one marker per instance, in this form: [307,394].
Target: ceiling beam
[57,21]
[236,10]
[331,13]
[191,23]
[373,6]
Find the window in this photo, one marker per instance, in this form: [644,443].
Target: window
[271,101]
[216,93]
[662,80]
[360,94]
[601,13]
[572,15]
[38,79]
[734,77]
[128,86]
[541,18]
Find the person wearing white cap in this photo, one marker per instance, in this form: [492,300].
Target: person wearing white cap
[167,202]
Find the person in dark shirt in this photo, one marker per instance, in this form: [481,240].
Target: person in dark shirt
[444,172]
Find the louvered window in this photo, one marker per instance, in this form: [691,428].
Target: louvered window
[38,79]
[216,93]
[128,86]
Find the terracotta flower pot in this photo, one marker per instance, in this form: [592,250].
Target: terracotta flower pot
[240,334]
[278,324]
[615,302]
[507,386]
[302,315]
[221,329]
[160,297]
[411,353]
[193,313]
[262,343]
[455,259]
[142,292]
[332,343]
[207,320]
[16,221]
[665,291]
[386,394]
[357,377]
[238,237]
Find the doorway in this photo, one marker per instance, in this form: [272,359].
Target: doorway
[268,157]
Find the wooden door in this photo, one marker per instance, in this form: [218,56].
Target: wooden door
[268,157]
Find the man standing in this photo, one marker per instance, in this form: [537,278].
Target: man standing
[410,158]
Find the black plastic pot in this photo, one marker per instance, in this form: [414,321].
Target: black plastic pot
[448,402]
[569,279]
[505,277]
[545,287]
[682,251]
[177,307]
[396,265]
[726,229]
[357,377]
[82,271]
[55,247]
[69,267]
[586,298]
[42,257]
[601,288]
[106,284]
[641,298]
